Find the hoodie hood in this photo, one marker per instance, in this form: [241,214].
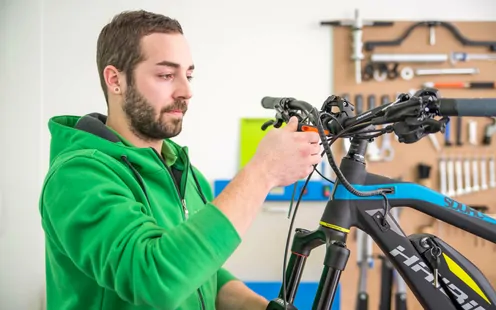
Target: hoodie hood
[73,133]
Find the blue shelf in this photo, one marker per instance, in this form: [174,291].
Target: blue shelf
[316,190]
[304,296]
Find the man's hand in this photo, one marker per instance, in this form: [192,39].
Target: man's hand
[235,295]
[284,156]
[288,155]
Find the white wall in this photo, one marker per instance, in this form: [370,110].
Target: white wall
[243,51]
[21,237]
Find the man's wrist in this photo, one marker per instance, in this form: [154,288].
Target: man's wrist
[259,171]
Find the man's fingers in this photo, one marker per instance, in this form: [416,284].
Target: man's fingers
[315,159]
[310,136]
[315,149]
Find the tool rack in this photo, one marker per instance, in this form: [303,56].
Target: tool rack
[430,46]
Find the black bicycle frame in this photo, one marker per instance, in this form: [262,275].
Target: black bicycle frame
[345,210]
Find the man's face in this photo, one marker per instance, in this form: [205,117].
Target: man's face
[157,99]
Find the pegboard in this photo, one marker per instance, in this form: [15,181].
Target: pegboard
[408,156]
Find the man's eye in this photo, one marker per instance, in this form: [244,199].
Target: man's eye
[167,76]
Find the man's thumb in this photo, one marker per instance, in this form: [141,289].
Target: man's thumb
[292,125]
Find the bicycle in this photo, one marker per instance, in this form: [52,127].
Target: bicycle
[438,275]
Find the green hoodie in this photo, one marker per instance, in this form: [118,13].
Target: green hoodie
[120,232]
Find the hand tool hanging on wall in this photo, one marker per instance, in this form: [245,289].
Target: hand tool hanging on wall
[466,172]
[364,261]
[492,172]
[443,188]
[471,85]
[407,73]
[386,151]
[370,45]
[382,66]
[387,278]
[459,177]
[434,142]
[475,174]
[358,104]
[459,141]
[489,131]
[380,71]
[483,171]
[358,101]
[356,26]
[397,57]
[447,134]
[462,56]
[400,296]
[423,174]
[400,302]
[446,71]
[472,132]
[373,151]
[450,165]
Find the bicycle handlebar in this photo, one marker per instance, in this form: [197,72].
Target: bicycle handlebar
[285,102]
[410,117]
[270,102]
[477,107]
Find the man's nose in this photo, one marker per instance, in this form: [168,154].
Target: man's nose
[183,89]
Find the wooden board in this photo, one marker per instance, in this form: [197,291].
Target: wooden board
[408,156]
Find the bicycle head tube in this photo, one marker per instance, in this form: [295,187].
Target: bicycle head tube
[339,215]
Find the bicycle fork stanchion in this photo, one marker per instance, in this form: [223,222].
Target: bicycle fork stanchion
[334,263]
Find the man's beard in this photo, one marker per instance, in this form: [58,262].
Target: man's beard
[144,121]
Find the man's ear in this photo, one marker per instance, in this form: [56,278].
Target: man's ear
[114,79]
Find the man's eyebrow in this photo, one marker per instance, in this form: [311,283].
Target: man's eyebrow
[173,64]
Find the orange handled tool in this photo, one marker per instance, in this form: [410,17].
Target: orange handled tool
[478,85]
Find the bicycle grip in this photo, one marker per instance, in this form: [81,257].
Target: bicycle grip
[270,102]
[476,107]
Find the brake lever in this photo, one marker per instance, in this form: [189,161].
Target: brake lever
[280,118]
[434,126]
[412,130]
[301,127]
[267,124]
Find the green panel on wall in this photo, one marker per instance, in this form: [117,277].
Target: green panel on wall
[251,134]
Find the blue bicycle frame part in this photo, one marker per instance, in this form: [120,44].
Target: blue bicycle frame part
[429,202]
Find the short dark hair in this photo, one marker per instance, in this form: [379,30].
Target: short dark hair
[119,41]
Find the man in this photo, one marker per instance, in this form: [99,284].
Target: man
[130,223]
